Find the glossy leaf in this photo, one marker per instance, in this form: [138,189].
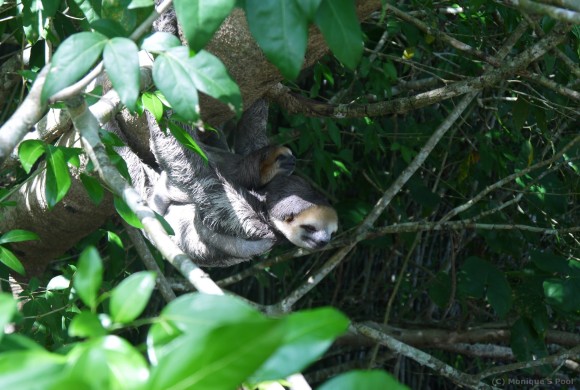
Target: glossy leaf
[186,139]
[10,260]
[341,29]
[35,369]
[18,235]
[171,75]
[159,42]
[109,28]
[72,60]
[29,152]
[121,60]
[359,379]
[197,313]
[7,310]
[88,10]
[152,104]
[211,77]
[94,188]
[220,359]
[89,276]
[201,19]
[131,296]
[86,324]
[307,336]
[563,294]
[126,213]
[281,30]
[141,4]
[118,364]
[58,179]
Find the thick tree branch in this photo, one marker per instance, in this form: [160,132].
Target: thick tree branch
[562,14]
[25,116]
[294,103]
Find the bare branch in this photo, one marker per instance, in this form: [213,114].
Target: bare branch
[25,116]
[562,14]
[420,357]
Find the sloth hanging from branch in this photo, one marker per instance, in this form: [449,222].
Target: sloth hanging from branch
[240,202]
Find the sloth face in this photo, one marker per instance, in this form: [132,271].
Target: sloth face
[311,228]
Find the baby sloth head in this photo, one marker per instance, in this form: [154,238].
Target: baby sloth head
[300,213]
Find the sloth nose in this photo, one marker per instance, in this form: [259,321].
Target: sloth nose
[321,243]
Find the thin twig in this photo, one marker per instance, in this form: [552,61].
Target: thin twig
[150,263]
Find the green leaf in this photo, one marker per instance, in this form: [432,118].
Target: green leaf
[309,7]
[131,296]
[201,19]
[11,261]
[58,179]
[18,235]
[86,324]
[186,139]
[152,104]
[72,60]
[109,28]
[441,289]
[122,64]
[340,26]
[195,313]
[563,294]
[126,213]
[30,369]
[211,77]
[525,342]
[363,380]
[7,310]
[87,8]
[281,30]
[141,4]
[94,188]
[221,359]
[171,76]
[499,292]
[118,364]
[29,152]
[307,336]
[160,42]
[473,277]
[89,276]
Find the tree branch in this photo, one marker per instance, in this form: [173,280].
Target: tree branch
[420,357]
[88,128]
[294,103]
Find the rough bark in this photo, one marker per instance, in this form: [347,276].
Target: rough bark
[75,217]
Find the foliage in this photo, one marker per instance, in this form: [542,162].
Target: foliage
[197,341]
[452,279]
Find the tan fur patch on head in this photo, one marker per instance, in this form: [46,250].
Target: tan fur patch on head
[320,213]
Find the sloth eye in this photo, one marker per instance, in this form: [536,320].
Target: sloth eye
[308,228]
[289,218]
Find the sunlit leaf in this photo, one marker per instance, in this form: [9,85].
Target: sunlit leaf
[122,64]
[29,152]
[89,276]
[131,296]
[10,260]
[72,59]
[201,19]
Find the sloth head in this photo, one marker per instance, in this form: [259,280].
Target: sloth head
[300,213]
